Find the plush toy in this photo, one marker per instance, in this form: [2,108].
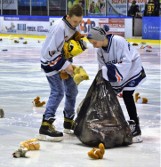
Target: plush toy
[64,75]
[25,42]
[79,74]
[25,146]
[135,44]
[97,153]
[1,113]
[20,153]
[77,36]
[16,41]
[139,99]
[37,102]
[74,48]
[31,144]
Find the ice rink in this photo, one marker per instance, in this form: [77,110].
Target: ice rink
[21,80]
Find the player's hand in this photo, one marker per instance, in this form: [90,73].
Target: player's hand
[70,70]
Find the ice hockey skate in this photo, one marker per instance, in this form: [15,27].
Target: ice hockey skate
[47,132]
[136,132]
[68,126]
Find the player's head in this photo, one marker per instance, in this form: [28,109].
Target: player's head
[97,36]
[75,15]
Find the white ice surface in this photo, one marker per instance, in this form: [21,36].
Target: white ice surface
[21,80]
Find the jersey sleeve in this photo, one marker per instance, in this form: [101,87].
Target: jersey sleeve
[52,51]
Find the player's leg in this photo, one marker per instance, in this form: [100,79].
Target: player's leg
[71,92]
[47,131]
[134,120]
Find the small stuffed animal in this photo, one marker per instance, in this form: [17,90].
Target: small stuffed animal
[37,102]
[20,153]
[1,113]
[16,41]
[31,144]
[74,48]
[64,75]
[135,44]
[79,74]
[97,153]
[25,42]
[77,36]
[139,99]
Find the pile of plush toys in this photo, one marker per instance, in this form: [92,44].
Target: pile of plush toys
[71,49]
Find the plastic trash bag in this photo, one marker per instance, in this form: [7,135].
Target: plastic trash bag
[100,118]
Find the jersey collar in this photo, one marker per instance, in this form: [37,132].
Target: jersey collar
[67,23]
[107,48]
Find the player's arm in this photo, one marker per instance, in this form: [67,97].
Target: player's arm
[57,60]
[118,71]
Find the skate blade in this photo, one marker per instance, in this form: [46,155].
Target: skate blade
[137,139]
[48,138]
[68,131]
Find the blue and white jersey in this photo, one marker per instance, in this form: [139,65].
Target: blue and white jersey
[52,59]
[121,64]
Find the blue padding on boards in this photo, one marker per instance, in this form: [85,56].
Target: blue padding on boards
[151,28]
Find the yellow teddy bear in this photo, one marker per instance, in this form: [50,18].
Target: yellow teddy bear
[74,48]
[79,74]
[31,144]
[97,153]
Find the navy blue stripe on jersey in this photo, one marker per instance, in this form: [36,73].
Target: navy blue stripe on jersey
[109,37]
[132,82]
[107,48]
[113,73]
[53,65]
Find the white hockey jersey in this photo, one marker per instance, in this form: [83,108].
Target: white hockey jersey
[52,59]
[121,64]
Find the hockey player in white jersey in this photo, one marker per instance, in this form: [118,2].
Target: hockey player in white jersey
[121,66]
[52,62]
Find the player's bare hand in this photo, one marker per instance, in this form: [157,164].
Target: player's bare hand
[70,70]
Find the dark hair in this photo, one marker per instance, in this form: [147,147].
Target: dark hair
[76,10]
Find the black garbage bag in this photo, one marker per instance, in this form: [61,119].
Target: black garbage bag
[100,118]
